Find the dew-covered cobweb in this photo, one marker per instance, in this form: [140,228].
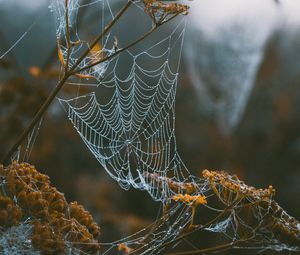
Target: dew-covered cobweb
[124,112]
[128,119]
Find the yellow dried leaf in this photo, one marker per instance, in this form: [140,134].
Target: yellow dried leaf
[190,200]
[200,200]
[84,76]
[60,56]
[97,48]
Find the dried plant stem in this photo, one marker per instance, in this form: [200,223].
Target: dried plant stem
[68,37]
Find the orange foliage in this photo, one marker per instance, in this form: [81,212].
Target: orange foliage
[56,224]
[190,200]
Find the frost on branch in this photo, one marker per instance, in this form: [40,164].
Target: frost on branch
[36,219]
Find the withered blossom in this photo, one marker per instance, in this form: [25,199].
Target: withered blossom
[162,11]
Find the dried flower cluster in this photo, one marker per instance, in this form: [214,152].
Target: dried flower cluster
[284,227]
[232,183]
[187,188]
[287,228]
[175,186]
[27,195]
[10,214]
[123,248]
[160,11]
[190,200]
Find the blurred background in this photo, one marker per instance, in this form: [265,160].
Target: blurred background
[237,108]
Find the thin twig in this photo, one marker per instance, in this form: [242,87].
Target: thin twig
[68,35]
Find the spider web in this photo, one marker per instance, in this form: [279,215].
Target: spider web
[127,121]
